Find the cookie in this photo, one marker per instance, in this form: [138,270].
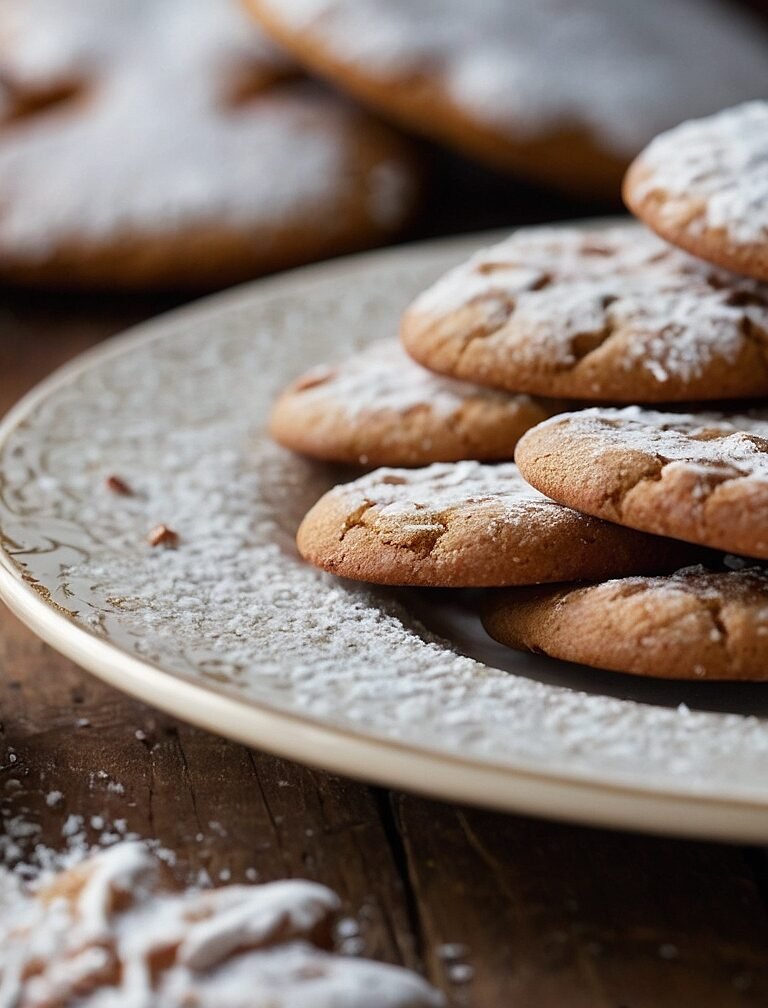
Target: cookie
[378,407]
[694,624]
[466,525]
[611,314]
[701,478]
[562,96]
[704,187]
[114,930]
[150,143]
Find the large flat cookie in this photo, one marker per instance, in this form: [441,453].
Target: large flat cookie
[467,525]
[564,94]
[695,624]
[704,187]
[378,407]
[611,314]
[702,478]
[162,143]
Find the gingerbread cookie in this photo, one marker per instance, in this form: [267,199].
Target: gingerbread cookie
[704,187]
[114,930]
[563,97]
[701,478]
[153,143]
[695,624]
[379,407]
[611,314]
[466,525]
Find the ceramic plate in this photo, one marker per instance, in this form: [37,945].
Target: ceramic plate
[232,632]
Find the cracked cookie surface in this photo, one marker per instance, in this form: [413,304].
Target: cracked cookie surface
[378,407]
[701,477]
[467,525]
[704,186]
[154,143]
[693,624]
[611,314]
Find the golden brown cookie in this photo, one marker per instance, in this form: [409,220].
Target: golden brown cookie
[378,407]
[611,314]
[704,187]
[563,96]
[695,624]
[148,143]
[467,525]
[698,477]
[113,930]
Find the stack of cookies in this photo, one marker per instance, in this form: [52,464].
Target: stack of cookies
[628,532]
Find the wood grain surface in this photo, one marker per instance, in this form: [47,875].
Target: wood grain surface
[499,911]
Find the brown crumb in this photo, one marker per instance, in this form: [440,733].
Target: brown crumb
[161,535]
[118,486]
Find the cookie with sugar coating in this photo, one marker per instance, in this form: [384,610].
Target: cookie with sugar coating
[158,143]
[610,314]
[87,937]
[694,624]
[562,95]
[702,478]
[378,407]
[467,525]
[704,187]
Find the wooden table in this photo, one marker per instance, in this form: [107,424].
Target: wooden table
[545,915]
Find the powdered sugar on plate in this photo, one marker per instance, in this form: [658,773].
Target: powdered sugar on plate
[179,414]
[620,71]
[712,173]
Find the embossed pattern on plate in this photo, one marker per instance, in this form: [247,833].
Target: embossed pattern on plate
[233,631]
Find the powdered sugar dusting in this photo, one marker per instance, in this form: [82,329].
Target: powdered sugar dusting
[384,378]
[704,441]
[114,931]
[234,608]
[621,71]
[162,141]
[498,490]
[550,286]
[713,173]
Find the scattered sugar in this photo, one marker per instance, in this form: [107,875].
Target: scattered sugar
[266,627]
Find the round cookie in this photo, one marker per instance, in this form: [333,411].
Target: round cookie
[611,314]
[701,478]
[694,624]
[150,143]
[704,187]
[378,407]
[467,525]
[564,97]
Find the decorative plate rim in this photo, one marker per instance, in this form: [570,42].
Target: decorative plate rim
[551,793]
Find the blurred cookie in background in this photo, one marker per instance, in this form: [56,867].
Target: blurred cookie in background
[158,143]
[562,93]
